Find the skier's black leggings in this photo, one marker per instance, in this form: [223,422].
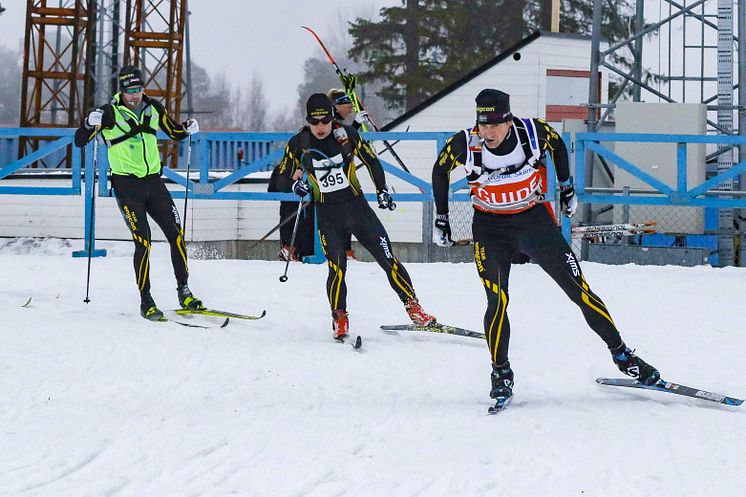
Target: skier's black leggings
[137,198]
[336,223]
[497,238]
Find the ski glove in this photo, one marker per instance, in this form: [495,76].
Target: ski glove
[362,117]
[94,118]
[568,200]
[301,188]
[385,201]
[348,80]
[191,126]
[442,231]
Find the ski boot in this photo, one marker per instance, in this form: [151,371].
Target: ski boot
[631,365]
[502,386]
[148,309]
[340,325]
[187,300]
[417,314]
[288,253]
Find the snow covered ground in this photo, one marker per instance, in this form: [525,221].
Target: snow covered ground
[95,401]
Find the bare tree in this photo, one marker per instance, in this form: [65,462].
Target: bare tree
[255,105]
[10,86]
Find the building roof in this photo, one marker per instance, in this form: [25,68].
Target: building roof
[473,74]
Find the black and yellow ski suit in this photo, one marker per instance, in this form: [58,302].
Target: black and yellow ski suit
[135,165]
[341,208]
[498,237]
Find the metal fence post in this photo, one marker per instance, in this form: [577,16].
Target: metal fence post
[89,245]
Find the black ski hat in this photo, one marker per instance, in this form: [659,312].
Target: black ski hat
[319,106]
[130,77]
[493,107]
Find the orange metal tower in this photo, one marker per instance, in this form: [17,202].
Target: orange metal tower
[56,83]
[60,51]
[154,41]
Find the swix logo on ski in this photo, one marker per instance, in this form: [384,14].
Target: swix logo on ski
[509,188]
[385,245]
[573,263]
[709,395]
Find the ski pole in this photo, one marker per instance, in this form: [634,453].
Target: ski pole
[284,276]
[186,192]
[91,215]
[278,226]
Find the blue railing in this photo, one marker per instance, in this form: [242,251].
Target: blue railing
[213,151]
[698,196]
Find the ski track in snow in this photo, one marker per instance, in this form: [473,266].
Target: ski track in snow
[95,401]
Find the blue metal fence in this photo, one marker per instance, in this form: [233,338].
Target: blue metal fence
[220,151]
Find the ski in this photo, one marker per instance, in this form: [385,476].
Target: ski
[223,324]
[434,328]
[595,231]
[674,388]
[218,313]
[500,405]
[601,228]
[607,230]
[204,324]
[356,342]
[28,302]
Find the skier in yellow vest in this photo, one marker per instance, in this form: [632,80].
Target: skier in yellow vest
[128,125]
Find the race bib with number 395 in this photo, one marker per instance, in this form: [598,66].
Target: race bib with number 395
[332,181]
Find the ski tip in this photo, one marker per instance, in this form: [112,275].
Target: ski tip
[27,302]
[225,323]
[264,313]
[357,343]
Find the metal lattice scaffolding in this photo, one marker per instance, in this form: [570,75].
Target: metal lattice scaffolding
[54,85]
[154,42]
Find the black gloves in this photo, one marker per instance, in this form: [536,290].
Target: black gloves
[301,188]
[442,231]
[568,200]
[385,201]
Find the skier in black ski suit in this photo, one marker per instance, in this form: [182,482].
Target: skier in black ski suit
[323,151]
[128,125]
[502,156]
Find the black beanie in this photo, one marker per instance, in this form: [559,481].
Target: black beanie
[319,106]
[130,77]
[493,107]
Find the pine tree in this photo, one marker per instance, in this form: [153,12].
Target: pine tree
[426,44]
[422,46]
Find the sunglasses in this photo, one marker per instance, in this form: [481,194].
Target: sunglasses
[314,121]
[344,99]
[130,91]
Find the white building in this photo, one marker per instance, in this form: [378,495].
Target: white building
[546,75]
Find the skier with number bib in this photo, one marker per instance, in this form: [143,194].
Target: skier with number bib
[324,152]
[503,157]
[128,125]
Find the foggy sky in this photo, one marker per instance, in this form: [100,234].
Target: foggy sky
[240,37]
